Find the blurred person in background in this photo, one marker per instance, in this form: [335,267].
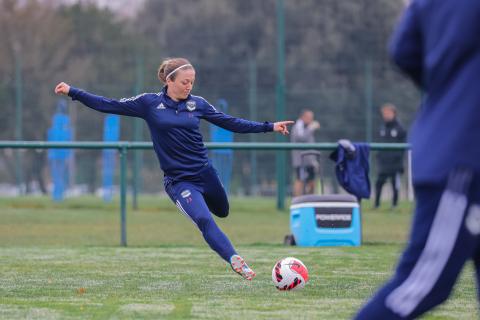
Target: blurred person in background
[437,45]
[305,167]
[389,163]
[173,116]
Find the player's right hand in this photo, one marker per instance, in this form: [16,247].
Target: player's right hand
[282,127]
[62,88]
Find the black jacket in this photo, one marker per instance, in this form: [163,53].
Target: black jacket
[391,161]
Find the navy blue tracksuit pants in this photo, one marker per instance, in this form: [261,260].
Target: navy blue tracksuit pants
[197,199]
[445,234]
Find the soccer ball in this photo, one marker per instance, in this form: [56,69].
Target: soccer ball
[289,274]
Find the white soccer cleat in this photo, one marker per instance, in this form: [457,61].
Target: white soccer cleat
[240,266]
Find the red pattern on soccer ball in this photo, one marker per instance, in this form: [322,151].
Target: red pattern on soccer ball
[278,275]
[300,269]
[295,283]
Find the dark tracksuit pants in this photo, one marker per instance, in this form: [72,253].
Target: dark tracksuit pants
[382,178]
[445,234]
[197,199]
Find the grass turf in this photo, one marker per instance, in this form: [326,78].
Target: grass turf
[62,261]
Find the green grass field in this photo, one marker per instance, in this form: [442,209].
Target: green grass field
[62,261]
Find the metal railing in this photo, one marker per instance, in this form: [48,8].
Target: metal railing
[124,146]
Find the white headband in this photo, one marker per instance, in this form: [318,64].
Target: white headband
[175,70]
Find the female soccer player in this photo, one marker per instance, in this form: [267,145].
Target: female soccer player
[173,117]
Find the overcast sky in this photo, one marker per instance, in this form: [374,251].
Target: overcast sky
[123,7]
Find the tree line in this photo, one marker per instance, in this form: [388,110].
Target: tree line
[331,48]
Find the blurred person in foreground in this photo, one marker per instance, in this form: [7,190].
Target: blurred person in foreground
[304,166]
[390,163]
[173,116]
[437,45]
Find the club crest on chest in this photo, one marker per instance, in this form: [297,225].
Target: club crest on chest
[191,105]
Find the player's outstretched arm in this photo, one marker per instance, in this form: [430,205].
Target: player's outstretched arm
[282,126]
[128,107]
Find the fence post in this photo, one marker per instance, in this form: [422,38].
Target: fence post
[137,133]
[409,176]
[252,103]
[123,195]
[18,117]
[368,101]
[280,103]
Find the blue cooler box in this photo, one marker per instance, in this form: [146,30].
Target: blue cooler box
[326,220]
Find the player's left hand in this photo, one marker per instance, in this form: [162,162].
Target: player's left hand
[282,127]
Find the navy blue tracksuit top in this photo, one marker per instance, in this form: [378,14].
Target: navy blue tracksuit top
[437,44]
[174,126]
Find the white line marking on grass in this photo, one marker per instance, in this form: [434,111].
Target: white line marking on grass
[160,307]
[15,312]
